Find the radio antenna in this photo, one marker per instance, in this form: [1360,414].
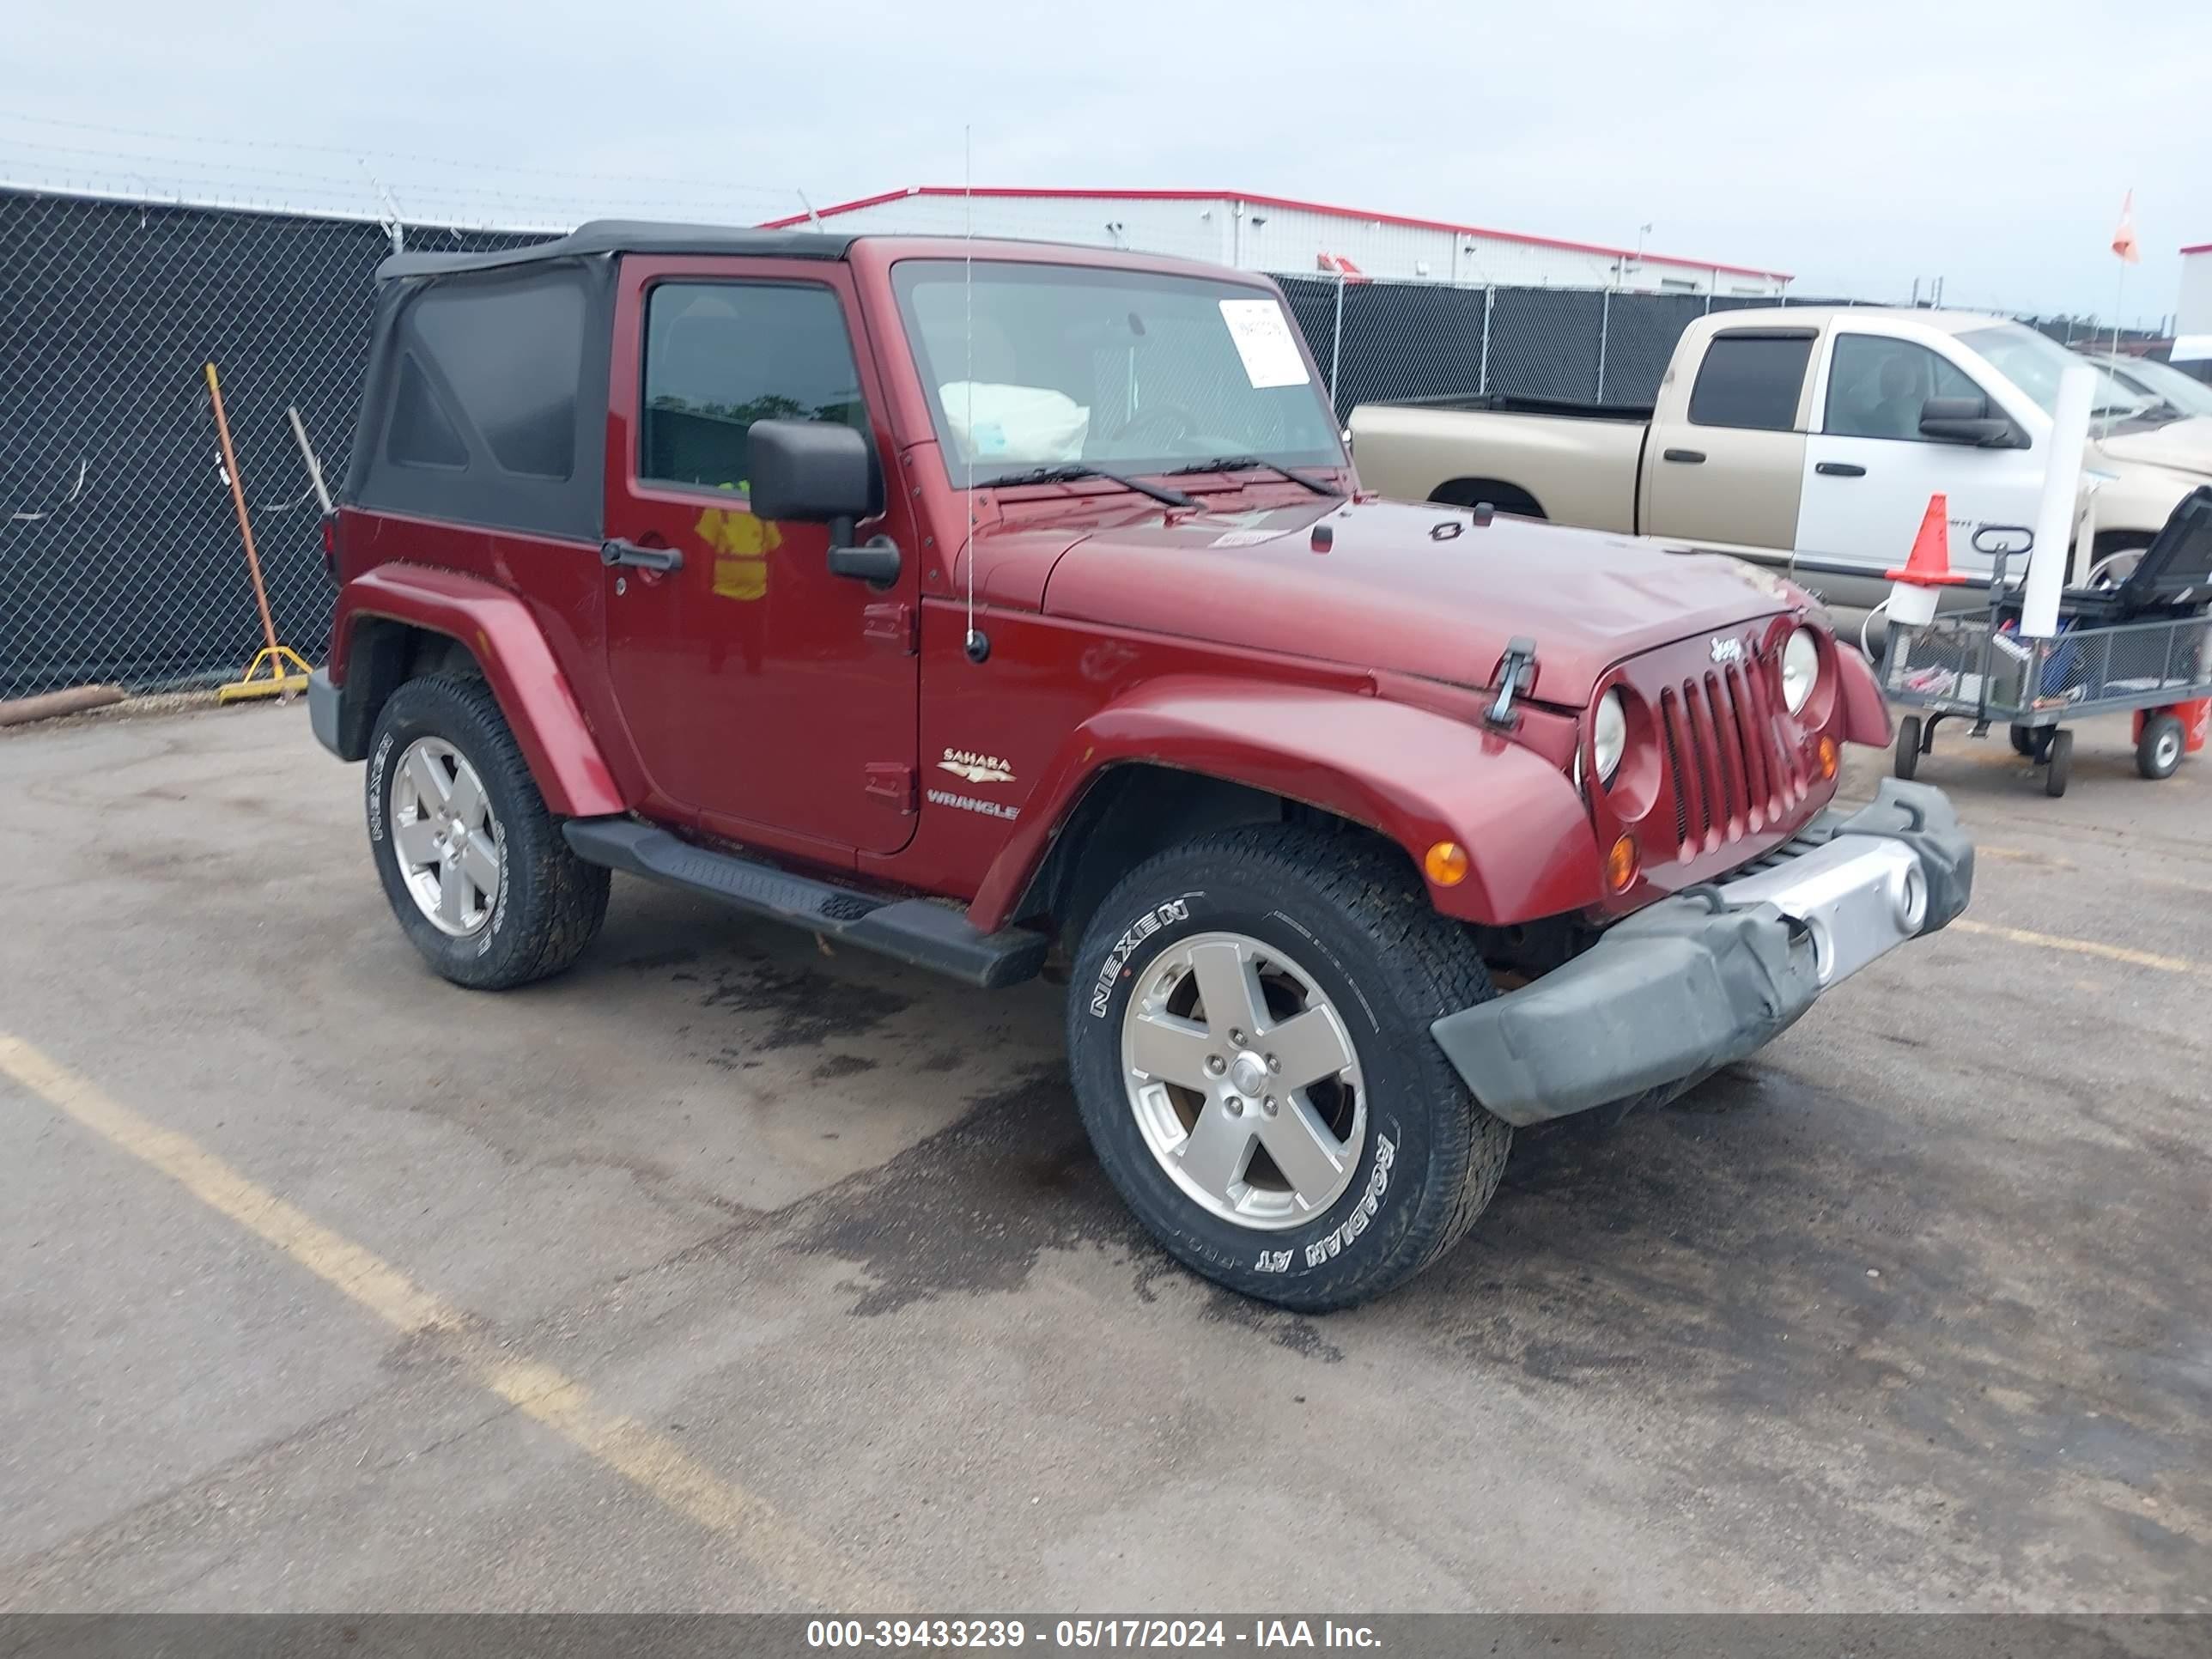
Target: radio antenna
[975,641]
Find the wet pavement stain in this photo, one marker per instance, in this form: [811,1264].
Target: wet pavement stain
[1301,1335]
[972,1209]
[799,1007]
[975,1208]
[656,961]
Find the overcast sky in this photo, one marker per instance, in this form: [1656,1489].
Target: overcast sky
[1857,146]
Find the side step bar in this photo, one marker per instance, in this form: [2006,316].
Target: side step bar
[919,932]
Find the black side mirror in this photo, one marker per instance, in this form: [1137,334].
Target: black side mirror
[816,472]
[810,471]
[1966,420]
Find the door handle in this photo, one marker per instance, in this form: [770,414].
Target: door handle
[1839,469]
[1688,457]
[875,561]
[617,551]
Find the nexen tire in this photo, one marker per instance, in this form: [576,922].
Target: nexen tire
[1350,915]
[549,904]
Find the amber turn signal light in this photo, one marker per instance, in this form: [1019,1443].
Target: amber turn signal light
[1446,864]
[1620,864]
[1827,757]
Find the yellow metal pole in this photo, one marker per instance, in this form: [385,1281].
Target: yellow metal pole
[244,523]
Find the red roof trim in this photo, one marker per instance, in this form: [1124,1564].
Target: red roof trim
[786,222]
[2202,247]
[1289,204]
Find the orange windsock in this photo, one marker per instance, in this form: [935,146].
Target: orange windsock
[2123,237]
[1929,564]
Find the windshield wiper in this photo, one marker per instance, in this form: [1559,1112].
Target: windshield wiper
[1069,472]
[1244,463]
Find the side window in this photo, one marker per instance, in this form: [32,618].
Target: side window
[1876,387]
[720,356]
[1751,379]
[511,355]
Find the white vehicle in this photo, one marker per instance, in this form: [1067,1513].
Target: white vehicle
[1809,440]
[2156,382]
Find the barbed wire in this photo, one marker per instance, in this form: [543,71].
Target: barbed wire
[777,193]
[375,188]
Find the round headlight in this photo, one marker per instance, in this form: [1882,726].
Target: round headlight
[1610,735]
[1800,669]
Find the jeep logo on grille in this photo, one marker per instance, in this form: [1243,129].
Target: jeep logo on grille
[1728,650]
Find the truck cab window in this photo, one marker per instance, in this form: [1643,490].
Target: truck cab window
[720,356]
[1751,379]
[1877,385]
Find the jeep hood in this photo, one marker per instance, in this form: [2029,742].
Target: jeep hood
[1418,589]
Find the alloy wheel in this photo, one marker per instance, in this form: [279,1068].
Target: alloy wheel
[449,845]
[1244,1081]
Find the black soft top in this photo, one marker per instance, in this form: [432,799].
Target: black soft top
[602,236]
[485,400]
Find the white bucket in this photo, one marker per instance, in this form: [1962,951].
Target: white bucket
[1910,605]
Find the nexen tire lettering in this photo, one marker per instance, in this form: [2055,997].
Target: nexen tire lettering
[498,899]
[1353,1225]
[376,764]
[1138,931]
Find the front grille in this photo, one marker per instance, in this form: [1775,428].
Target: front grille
[1729,769]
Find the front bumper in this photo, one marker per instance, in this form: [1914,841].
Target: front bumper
[1714,974]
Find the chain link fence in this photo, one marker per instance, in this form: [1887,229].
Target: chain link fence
[119,553]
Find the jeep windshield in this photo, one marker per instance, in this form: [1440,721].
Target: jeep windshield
[1047,369]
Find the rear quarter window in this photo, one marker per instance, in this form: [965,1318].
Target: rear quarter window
[485,401]
[1751,381]
[510,356]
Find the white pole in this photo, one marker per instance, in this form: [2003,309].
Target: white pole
[314,466]
[2061,488]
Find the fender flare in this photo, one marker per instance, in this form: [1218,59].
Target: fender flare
[497,629]
[1862,712]
[1414,776]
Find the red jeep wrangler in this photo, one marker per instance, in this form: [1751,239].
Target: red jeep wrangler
[990,605]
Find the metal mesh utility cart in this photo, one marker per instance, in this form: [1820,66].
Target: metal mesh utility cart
[2141,644]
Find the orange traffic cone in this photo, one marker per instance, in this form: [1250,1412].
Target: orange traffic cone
[1929,564]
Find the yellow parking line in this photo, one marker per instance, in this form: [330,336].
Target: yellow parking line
[2053,861]
[2087,947]
[649,1461]
[2021,855]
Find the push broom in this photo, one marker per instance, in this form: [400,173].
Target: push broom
[273,672]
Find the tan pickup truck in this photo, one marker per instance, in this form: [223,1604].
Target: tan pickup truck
[1808,439]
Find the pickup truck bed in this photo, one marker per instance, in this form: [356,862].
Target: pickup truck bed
[1576,462]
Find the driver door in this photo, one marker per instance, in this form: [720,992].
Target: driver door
[767,698]
[1868,471]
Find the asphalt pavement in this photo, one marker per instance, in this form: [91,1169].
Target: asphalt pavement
[728,1272]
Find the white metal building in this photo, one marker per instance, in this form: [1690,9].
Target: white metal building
[1273,234]
[2193,321]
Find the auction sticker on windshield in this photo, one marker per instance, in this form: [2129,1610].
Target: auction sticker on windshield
[1264,340]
